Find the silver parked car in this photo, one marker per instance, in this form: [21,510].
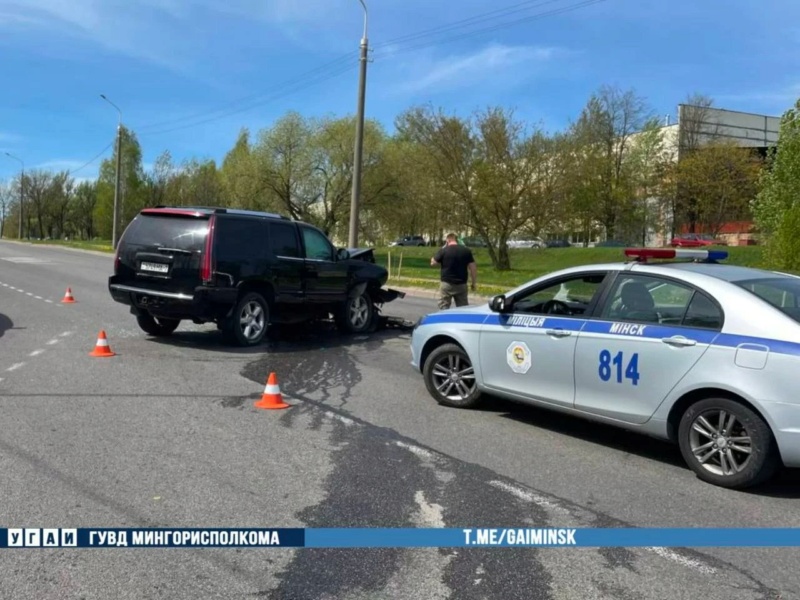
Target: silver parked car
[704,354]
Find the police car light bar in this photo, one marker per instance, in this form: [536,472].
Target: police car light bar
[643,254]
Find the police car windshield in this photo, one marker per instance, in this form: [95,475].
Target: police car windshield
[781,292]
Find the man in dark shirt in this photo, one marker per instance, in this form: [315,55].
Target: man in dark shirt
[455,261]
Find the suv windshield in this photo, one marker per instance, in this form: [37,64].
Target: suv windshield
[781,292]
[180,233]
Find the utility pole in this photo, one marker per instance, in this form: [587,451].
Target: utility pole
[359,147]
[117,178]
[21,192]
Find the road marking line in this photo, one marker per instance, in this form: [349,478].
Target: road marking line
[38,297]
[16,366]
[51,342]
[21,291]
[29,294]
[682,560]
[49,301]
[65,334]
[528,496]
[36,353]
[339,417]
[417,450]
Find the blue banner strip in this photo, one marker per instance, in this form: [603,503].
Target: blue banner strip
[476,537]
[548,537]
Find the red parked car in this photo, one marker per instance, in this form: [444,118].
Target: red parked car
[694,240]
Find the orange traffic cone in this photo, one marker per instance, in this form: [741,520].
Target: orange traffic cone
[102,348]
[272,397]
[68,299]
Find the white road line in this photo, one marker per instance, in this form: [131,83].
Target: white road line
[21,291]
[51,342]
[38,297]
[29,294]
[65,334]
[682,560]
[339,417]
[16,366]
[1,379]
[36,353]
[417,450]
[528,496]
[49,301]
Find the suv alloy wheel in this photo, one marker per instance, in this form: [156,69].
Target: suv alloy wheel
[358,314]
[247,324]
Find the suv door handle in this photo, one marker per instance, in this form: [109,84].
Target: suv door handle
[558,332]
[679,341]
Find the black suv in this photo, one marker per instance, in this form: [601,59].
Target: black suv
[242,270]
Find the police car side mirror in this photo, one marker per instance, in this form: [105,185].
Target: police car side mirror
[342,254]
[498,304]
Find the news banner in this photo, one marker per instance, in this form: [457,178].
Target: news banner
[94,537]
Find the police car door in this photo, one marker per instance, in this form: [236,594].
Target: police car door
[528,352]
[651,331]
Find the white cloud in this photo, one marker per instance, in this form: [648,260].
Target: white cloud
[488,63]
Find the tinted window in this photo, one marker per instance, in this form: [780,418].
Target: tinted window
[183,233]
[240,238]
[780,292]
[283,237]
[702,313]
[317,245]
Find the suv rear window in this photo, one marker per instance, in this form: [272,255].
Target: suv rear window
[781,292]
[183,233]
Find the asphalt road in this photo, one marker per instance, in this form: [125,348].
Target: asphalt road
[164,434]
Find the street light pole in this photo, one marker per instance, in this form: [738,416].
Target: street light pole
[21,191]
[359,146]
[117,180]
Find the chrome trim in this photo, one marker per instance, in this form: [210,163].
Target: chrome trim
[127,288]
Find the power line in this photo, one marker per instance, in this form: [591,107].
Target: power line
[99,154]
[286,92]
[305,81]
[349,56]
[482,31]
[482,17]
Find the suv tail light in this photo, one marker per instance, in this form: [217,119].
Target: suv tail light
[207,264]
[116,260]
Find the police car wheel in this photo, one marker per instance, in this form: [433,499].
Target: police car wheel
[727,444]
[450,377]
[157,326]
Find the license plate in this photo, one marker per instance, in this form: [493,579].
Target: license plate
[154,267]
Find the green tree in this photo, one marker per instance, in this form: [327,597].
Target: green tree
[132,198]
[488,168]
[775,208]
[241,181]
[722,179]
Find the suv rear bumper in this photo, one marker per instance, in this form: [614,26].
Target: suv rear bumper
[203,303]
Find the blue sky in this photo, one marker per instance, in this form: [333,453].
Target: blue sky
[189,74]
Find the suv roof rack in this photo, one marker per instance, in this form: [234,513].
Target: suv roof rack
[706,256]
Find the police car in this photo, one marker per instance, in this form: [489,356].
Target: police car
[704,354]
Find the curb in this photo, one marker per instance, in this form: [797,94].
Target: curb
[61,247]
[474,299]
